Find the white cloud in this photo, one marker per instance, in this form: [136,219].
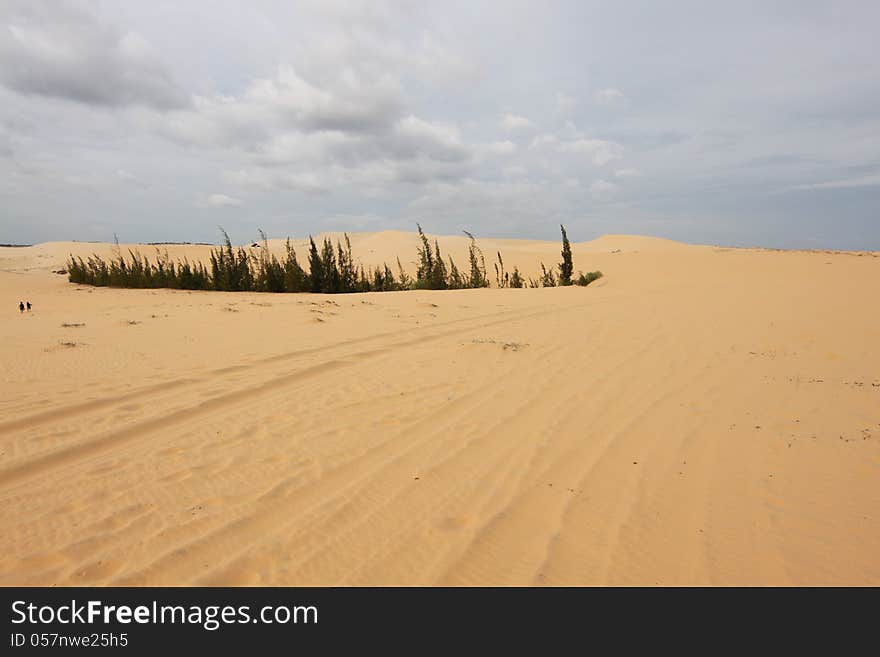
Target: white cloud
[515,122]
[601,151]
[848,183]
[565,104]
[222,201]
[262,179]
[609,96]
[628,172]
[602,189]
[506,147]
[542,141]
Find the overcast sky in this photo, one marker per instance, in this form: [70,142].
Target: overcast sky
[737,123]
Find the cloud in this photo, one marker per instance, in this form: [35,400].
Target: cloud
[423,170]
[609,97]
[510,202]
[321,135]
[515,171]
[543,141]
[96,179]
[601,151]
[312,110]
[368,175]
[848,183]
[222,201]
[261,179]
[52,49]
[287,119]
[412,151]
[347,102]
[565,104]
[287,102]
[505,147]
[514,122]
[602,189]
[413,137]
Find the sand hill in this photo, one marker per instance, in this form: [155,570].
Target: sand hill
[699,415]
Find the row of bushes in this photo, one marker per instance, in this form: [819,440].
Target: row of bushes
[331,270]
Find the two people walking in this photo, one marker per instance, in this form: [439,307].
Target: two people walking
[21,306]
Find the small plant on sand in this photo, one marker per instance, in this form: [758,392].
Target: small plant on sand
[405,279]
[589,277]
[548,278]
[477,262]
[455,281]
[502,278]
[516,279]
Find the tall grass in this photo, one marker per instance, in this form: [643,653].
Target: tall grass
[332,269]
[139,272]
[477,262]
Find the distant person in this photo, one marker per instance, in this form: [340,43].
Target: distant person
[28,306]
[20,307]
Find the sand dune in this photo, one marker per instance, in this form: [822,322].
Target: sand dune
[698,416]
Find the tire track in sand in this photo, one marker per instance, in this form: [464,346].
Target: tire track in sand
[228,400]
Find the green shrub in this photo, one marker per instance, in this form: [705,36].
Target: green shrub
[502,278]
[566,267]
[548,278]
[295,277]
[455,281]
[477,276]
[516,280]
[589,277]
[331,270]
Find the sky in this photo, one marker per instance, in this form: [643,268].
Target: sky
[743,124]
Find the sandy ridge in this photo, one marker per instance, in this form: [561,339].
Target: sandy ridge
[698,416]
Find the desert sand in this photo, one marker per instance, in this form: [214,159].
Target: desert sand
[700,415]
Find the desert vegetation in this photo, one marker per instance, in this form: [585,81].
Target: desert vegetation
[330,269]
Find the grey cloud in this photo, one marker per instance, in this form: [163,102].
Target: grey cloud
[55,50]
[603,189]
[424,170]
[864,181]
[514,122]
[315,132]
[273,108]
[609,97]
[345,101]
[747,122]
[222,201]
[413,137]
